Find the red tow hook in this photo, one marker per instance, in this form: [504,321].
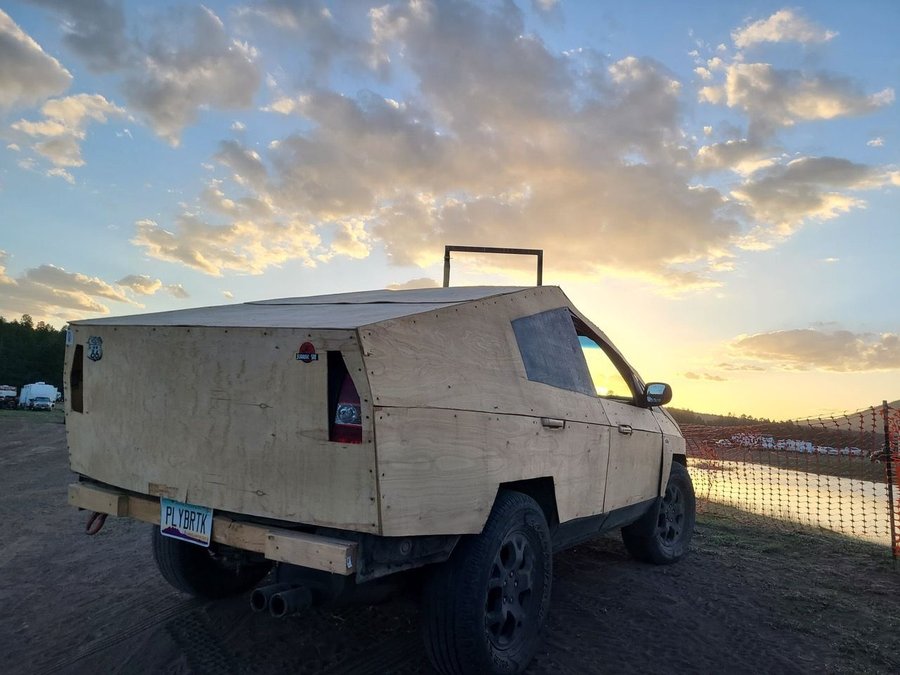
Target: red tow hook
[95,523]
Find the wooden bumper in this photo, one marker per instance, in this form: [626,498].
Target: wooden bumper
[307,550]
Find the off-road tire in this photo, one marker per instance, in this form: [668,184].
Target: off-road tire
[470,600]
[662,535]
[203,572]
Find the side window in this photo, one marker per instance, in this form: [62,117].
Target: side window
[551,351]
[607,380]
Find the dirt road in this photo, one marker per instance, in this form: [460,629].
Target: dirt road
[748,599]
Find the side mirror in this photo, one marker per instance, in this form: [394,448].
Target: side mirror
[657,393]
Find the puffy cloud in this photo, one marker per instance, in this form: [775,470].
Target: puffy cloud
[186,63]
[51,293]
[178,291]
[809,187]
[190,62]
[742,156]
[64,126]
[311,24]
[783,26]
[61,173]
[94,30]
[774,98]
[27,74]
[141,284]
[246,164]
[242,246]
[841,350]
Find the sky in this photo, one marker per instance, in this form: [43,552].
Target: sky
[715,184]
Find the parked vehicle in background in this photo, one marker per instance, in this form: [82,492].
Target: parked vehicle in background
[41,403]
[32,391]
[345,439]
[7,396]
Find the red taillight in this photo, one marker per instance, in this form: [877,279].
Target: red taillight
[347,426]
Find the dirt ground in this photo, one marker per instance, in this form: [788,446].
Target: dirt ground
[749,598]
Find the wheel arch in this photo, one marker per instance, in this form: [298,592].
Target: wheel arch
[542,490]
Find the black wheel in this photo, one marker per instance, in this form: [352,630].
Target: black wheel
[485,607]
[211,573]
[662,535]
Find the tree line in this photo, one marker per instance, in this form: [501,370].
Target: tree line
[31,352]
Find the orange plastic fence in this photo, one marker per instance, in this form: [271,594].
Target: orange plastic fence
[826,472]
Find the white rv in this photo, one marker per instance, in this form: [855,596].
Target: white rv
[32,391]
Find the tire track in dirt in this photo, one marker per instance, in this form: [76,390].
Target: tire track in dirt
[96,646]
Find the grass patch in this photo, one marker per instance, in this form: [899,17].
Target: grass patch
[55,416]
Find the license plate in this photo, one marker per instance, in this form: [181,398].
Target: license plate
[186,522]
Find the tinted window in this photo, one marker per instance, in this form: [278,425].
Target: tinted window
[551,352]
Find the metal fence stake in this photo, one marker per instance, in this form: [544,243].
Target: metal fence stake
[888,466]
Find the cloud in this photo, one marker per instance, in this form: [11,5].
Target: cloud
[741,156]
[190,62]
[774,98]
[94,30]
[690,375]
[64,126]
[311,24]
[140,284]
[420,282]
[876,142]
[173,64]
[27,74]
[490,137]
[61,173]
[48,292]
[783,26]
[840,351]
[242,246]
[511,138]
[782,197]
[177,290]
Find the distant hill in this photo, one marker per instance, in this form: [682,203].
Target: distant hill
[854,420]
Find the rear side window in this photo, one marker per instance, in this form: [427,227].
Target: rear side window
[551,352]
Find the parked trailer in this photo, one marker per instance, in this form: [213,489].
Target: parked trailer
[32,391]
[7,396]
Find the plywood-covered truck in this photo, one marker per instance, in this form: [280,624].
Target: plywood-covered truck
[466,433]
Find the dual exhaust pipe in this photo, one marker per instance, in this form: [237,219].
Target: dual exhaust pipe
[281,599]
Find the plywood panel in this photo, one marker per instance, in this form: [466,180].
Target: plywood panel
[466,358]
[635,459]
[345,310]
[439,469]
[225,418]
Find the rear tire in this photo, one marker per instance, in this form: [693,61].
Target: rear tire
[485,607]
[209,573]
[662,535]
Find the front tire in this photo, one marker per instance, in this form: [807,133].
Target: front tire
[663,534]
[485,607]
[210,573]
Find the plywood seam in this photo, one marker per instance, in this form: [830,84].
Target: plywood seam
[484,412]
[362,354]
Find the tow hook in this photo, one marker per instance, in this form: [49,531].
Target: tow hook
[95,523]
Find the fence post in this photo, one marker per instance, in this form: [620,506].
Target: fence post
[888,466]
